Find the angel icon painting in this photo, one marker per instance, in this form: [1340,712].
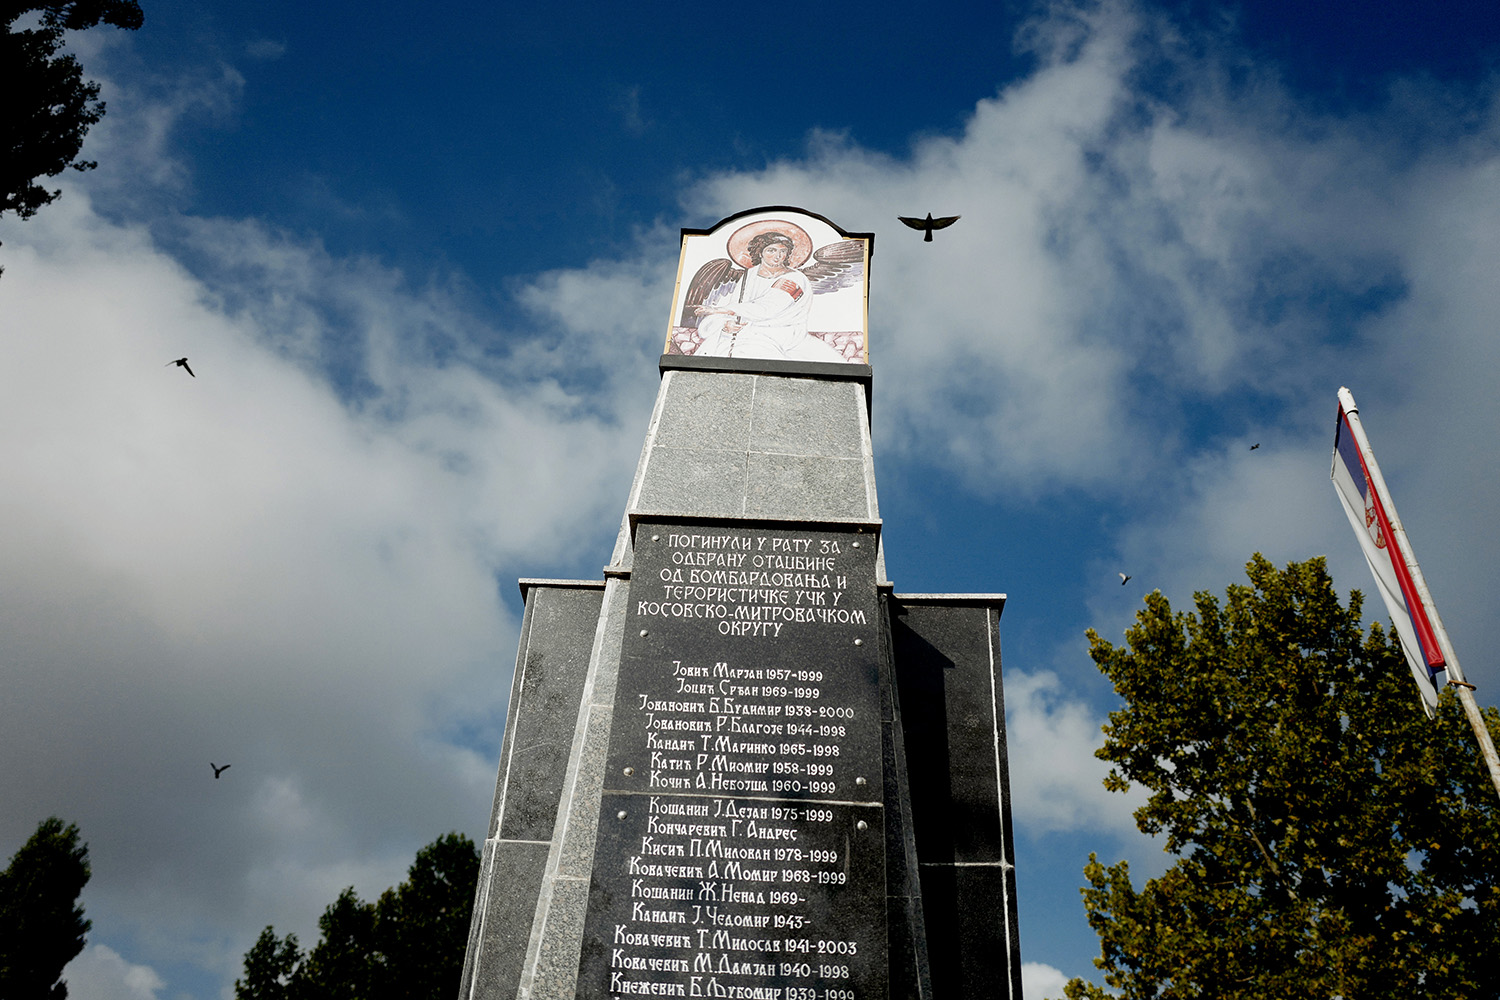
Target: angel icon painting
[773,296]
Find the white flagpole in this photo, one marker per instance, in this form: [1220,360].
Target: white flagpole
[1403,550]
[1466,699]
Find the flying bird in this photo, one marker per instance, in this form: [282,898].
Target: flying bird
[928,224]
[1124,579]
[217,769]
[184,364]
[1255,446]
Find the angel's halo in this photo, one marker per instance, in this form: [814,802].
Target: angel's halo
[739,241]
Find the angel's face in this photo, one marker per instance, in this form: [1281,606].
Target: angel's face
[774,255]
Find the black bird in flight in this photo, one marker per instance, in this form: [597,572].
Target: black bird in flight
[928,224]
[217,769]
[1255,446]
[1124,579]
[184,364]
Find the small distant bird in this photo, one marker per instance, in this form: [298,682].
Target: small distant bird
[1255,446]
[184,364]
[928,224]
[217,769]
[1124,579]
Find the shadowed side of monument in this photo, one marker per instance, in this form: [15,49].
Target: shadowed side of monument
[947,654]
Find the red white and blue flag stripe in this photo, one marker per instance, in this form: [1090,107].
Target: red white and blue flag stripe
[1357,480]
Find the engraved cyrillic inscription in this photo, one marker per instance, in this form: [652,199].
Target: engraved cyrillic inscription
[741,845]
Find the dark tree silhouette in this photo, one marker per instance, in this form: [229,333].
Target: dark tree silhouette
[268,968]
[409,945]
[41,923]
[346,964]
[424,921]
[46,106]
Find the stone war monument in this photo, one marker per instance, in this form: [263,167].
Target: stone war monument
[740,765]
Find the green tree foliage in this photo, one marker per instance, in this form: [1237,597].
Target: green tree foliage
[269,966]
[1331,842]
[46,106]
[348,961]
[424,922]
[41,923]
[408,945]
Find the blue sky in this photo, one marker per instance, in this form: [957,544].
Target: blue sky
[421,262]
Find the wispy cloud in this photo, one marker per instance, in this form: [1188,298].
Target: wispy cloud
[265,49]
[632,118]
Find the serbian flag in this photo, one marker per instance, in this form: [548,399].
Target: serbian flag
[1357,480]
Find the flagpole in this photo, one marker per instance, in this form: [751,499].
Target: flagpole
[1455,672]
[1461,686]
[1481,732]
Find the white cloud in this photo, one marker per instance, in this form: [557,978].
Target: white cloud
[264,567]
[1041,982]
[99,973]
[1056,781]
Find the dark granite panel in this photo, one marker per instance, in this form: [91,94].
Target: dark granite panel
[944,929]
[948,684]
[898,832]
[989,946]
[707,922]
[952,716]
[972,939]
[908,956]
[559,638]
[764,638]
[741,841]
[903,976]
[909,975]
[510,906]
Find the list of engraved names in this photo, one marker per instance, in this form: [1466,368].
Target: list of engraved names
[741,844]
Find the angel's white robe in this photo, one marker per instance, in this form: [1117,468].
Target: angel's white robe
[773,311]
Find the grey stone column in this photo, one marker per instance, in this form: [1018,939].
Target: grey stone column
[750,445]
[782,448]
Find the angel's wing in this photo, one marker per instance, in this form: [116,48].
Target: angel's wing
[838,265]
[713,281]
